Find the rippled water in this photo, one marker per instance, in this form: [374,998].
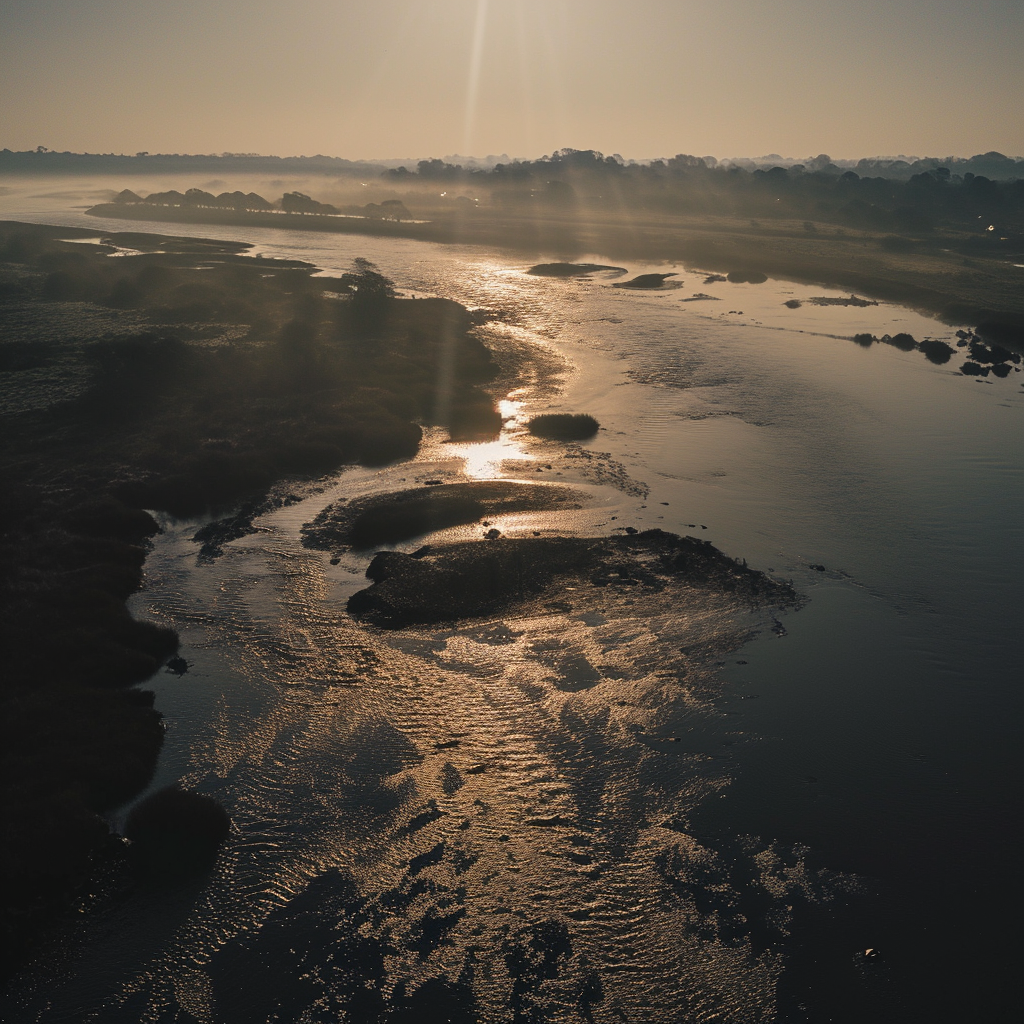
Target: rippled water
[616,810]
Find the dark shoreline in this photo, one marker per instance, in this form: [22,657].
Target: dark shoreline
[200,391]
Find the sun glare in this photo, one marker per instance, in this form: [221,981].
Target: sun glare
[473,84]
[484,460]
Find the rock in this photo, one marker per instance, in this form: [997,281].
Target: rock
[647,281]
[569,269]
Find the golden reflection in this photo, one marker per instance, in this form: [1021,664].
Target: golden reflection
[482,460]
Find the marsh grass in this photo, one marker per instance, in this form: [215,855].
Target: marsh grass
[562,426]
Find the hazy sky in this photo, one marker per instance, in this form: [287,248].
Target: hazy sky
[396,78]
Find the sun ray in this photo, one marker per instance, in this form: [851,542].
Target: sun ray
[475,63]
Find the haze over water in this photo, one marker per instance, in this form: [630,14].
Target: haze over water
[852,759]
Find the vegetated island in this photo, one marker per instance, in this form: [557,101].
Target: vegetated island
[445,583]
[363,523]
[187,378]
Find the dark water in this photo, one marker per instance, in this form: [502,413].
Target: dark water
[625,812]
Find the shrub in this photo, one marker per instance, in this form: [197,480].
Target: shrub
[564,426]
[176,832]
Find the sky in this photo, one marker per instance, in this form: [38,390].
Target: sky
[417,78]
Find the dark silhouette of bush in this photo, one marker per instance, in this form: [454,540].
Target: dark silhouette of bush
[371,298]
[982,353]
[937,352]
[176,832]
[1003,333]
[420,514]
[299,202]
[904,342]
[563,426]
[865,340]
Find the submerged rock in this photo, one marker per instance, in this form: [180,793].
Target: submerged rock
[570,269]
[831,301]
[647,281]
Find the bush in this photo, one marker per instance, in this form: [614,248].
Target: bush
[419,515]
[564,426]
[937,352]
[904,342]
[176,832]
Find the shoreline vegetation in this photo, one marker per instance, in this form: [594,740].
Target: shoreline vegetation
[942,238]
[960,285]
[189,380]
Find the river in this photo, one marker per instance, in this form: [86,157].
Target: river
[650,838]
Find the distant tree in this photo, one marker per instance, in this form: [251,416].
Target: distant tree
[394,209]
[372,295]
[299,202]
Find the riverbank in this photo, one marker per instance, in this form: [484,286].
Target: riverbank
[956,277]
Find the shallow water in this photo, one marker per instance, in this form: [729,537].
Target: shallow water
[722,830]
